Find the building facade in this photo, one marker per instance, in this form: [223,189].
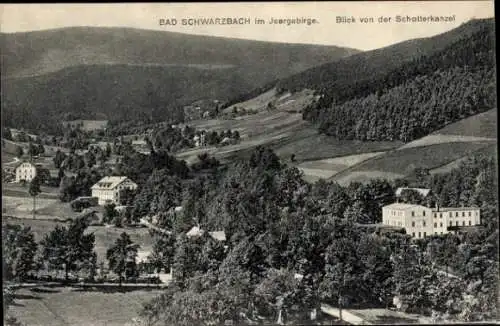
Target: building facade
[420,221]
[107,190]
[25,172]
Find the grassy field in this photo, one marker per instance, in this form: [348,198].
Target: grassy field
[398,163]
[326,168]
[479,125]
[104,236]
[488,150]
[73,306]
[444,139]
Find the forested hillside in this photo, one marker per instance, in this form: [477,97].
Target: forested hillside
[129,74]
[382,97]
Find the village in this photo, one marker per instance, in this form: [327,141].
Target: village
[108,202]
[322,174]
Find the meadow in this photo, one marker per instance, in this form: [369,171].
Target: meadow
[63,306]
[105,236]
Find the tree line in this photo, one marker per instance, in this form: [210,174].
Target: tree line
[67,249]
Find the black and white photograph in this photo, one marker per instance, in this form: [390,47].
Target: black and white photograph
[249,163]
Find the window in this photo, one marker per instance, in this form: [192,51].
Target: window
[435,225]
[440,215]
[412,213]
[451,215]
[435,233]
[450,223]
[463,214]
[456,223]
[441,224]
[470,222]
[413,224]
[435,215]
[463,223]
[456,214]
[424,234]
[469,214]
[423,223]
[413,234]
[441,232]
[423,213]
[419,234]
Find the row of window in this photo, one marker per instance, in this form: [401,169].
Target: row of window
[420,234]
[441,223]
[463,223]
[450,214]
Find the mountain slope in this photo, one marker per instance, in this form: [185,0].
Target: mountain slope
[35,53]
[452,80]
[372,64]
[123,74]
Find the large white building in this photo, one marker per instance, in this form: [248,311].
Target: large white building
[107,190]
[26,171]
[420,221]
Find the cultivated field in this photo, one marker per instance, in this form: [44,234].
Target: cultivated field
[320,156]
[326,168]
[63,306]
[284,130]
[398,163]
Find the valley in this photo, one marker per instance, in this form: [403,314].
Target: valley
[159,178]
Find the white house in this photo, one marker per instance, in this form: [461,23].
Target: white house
[420,221]
[200,140]
[107,190]
[26,171]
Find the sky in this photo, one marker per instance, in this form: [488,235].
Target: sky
[327,31]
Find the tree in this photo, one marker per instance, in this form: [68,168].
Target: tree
[121,256]
[32,149]
[34,190]
[109,213]
[64,247]
[411,196]
[163,253]
[19,151]
[18,251]
[6,133]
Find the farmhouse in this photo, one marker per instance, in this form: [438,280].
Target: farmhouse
[26,171]
[107,190]
[200,140]
[420,221]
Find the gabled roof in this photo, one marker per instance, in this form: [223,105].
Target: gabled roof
[109,182]
[218,235]
[18,164]
[422,191]
[197,232]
